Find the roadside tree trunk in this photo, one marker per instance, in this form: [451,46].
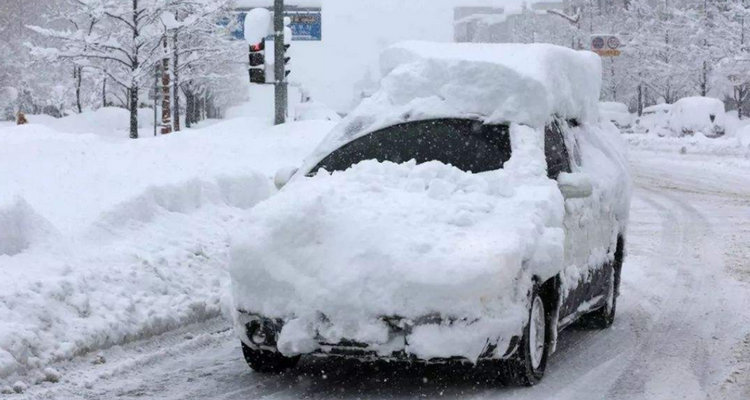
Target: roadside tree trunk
[188,108]
[134,81]
[175,84]
[77,75]
[166,102]
[104,92]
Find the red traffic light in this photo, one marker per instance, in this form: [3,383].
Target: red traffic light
[258,47]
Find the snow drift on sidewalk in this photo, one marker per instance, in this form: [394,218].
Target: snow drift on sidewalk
[21,227]
[104,241]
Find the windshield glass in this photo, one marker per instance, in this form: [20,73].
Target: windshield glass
[466,144]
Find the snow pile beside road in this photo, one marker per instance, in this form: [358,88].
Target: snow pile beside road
[21,227]
[618,113]
[104,241]
[108,121]
[525,84]
[737,145]
[407,240]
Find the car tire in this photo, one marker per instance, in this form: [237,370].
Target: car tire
[526,367]
[604,317]
[264,361]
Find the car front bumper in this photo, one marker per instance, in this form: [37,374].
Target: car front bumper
[262,333]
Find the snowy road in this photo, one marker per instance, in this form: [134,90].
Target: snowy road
[683,327]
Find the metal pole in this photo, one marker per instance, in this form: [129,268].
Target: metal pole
[279,67]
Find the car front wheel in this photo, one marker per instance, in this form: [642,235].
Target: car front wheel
[527,366]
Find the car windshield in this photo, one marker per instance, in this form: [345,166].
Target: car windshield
[466,144]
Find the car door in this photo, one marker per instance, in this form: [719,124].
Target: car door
[559,161]
[587,236]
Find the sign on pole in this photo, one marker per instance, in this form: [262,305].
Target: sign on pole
[306,23]
[606,45]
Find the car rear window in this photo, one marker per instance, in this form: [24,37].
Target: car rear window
[466,144]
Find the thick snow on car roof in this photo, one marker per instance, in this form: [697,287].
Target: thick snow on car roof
[496,83]
[523,83]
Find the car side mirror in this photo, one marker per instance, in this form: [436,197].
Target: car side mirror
[283,176]
[575,186]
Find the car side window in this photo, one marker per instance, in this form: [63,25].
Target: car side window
[571,140]
[555,150]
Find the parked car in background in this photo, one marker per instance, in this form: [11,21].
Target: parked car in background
[467,212]
[655,120]
[693,115]
[618,114]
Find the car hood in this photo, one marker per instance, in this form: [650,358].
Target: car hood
[409,240]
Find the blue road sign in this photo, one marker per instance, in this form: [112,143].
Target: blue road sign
[307,25]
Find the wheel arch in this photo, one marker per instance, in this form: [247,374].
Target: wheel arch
[549,291]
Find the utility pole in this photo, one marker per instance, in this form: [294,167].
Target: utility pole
[279,64]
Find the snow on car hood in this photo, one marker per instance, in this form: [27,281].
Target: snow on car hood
[384,239]
[495,83]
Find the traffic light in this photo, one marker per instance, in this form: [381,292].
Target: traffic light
[258,62]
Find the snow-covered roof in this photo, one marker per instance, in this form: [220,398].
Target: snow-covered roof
[498,83]
[515,82]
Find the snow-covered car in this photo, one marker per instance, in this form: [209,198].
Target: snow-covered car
[314,111]
[618,114]
[693,115]
[469,211]
[655,120]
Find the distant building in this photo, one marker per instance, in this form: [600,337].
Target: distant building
[504,24]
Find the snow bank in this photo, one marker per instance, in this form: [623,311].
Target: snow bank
[698,115]
[20,227]
[76,178]
[106,241]
[498,83]
[743,137]
[737,145]
[314,111]
[108,121]
[618,113]
[655,120]
[613,106]
[407,240]
[123,280]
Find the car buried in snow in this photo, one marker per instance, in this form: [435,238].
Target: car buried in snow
[469,211]
[655,120]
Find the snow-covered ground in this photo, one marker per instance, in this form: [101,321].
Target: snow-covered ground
[114,257]
[736,146]
[683,327]
[105,240]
